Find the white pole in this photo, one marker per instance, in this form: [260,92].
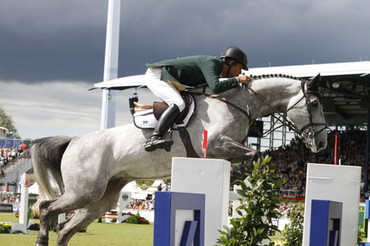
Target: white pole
[23,214]
[108,115]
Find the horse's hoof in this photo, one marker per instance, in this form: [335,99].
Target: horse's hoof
[42,241]
[168,148]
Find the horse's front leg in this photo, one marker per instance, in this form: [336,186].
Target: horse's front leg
[227,148]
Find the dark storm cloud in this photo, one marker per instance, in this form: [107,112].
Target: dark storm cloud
[51,40]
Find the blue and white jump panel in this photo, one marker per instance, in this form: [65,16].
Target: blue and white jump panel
[334,183]
[167,205]
[210,177]
[326,218]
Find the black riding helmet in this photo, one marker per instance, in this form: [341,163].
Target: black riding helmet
[236,54]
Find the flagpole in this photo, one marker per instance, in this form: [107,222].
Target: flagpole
[108,114]
[335,149]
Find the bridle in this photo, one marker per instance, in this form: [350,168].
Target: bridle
[306,132]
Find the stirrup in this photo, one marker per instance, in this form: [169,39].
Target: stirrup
[153,144]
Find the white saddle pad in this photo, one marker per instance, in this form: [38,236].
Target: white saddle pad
[146,120]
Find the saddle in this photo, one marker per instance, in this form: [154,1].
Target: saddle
[146,116]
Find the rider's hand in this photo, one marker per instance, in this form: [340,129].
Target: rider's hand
[243,79]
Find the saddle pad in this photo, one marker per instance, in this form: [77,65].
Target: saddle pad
[146,120]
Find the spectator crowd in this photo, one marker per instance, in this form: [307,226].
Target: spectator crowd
[137,204]
[291,160]
[7,156]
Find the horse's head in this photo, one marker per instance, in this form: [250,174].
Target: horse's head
[306,111]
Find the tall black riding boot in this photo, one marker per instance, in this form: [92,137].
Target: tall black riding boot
[164,123]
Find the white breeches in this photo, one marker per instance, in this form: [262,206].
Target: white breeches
[162,89]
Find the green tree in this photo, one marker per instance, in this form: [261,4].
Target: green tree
[259,206]
[293,232]
[7,122]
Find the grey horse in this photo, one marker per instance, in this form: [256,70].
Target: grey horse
[90,170]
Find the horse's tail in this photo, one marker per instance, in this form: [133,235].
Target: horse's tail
[46,156]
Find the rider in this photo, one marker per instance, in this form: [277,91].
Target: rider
[166,78]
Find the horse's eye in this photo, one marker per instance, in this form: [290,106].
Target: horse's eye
[315,104]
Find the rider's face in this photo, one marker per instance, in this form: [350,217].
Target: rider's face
[235,70]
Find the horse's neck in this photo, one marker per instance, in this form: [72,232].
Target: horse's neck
[278,92]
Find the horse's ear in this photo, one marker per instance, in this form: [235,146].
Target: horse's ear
[315,81]
[313,85]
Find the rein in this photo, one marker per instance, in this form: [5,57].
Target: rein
[285,119]
[306,131]
[221,99]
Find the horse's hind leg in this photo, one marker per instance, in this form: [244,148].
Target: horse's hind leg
[50,209]
[84,216]
[43,237]
[69,201]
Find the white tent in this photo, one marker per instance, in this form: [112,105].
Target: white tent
[131,187]
[34,189]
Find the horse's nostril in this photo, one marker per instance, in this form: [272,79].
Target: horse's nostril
[321,144]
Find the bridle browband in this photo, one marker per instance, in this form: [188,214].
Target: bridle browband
[305,131]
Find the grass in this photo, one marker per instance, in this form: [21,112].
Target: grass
[97,234]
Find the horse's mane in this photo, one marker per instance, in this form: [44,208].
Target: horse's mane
[266,76]
[312,88]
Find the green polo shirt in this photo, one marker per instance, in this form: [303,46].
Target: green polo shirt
[195,70]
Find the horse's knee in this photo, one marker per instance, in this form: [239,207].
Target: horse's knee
[44,207]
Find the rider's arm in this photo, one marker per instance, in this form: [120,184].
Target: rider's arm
[211,71]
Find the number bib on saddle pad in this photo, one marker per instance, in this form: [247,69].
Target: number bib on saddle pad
[148,119]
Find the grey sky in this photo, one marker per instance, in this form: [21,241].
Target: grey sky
[53,43]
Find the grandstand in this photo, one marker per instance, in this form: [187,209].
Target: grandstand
[6,141]
[11,165]
[345,94]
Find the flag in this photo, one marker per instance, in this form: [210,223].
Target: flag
[204,145]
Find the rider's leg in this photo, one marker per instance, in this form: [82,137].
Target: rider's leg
[164,123]
[168,93]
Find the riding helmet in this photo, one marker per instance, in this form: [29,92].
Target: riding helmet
[236,54]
